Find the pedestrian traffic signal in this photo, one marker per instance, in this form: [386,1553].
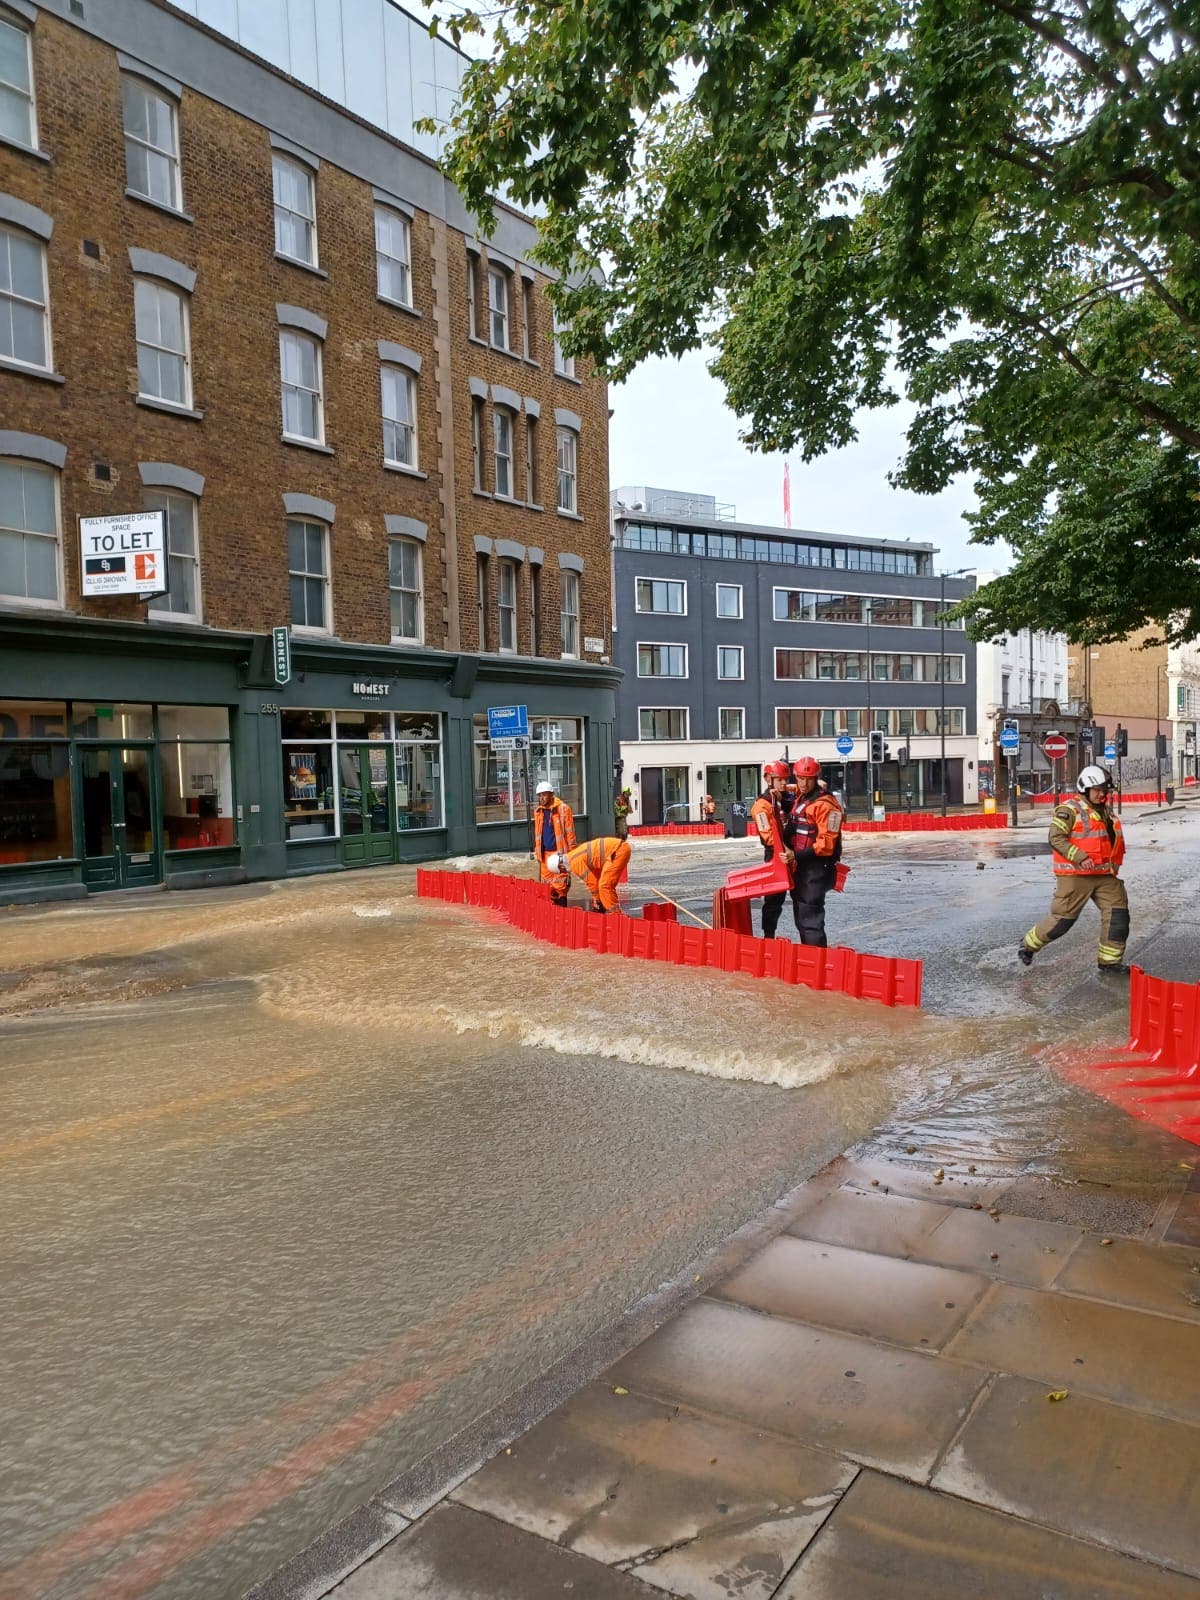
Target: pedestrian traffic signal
[875,746]
[902,756]
[1122,741]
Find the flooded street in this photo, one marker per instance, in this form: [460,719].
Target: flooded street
[302,1179]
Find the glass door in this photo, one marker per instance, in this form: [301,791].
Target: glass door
[366,795]
[122,848]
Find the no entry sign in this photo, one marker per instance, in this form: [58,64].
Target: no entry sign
[1055,746]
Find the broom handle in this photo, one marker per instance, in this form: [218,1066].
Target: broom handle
[678,907]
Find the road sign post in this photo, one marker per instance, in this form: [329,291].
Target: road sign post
[845,748]
[1010,744]
[1054,747]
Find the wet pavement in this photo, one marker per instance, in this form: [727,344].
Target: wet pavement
[306,1180]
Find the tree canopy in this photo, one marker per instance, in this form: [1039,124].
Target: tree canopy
[991,207]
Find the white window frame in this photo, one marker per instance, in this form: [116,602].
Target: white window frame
[506,608]
[171,156]
[41,602]
[299,337]
[390,216]
[652,611]
[661,644]
[567,471]
[731,677]
[728,616]
[683,738]
[278,163]
[418,592]
[19,91]
[9,295]
[397,428]
[499,290]
[326,576]
[503,421]
[564,365]
[568,614]
[724,711]
[161,289]
[157,606]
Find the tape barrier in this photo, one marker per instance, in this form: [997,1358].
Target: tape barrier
[1157,1077]
[889,980]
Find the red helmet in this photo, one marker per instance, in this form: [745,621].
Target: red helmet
[777,769]
[807,767]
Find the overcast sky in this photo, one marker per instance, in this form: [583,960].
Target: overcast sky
[671,429]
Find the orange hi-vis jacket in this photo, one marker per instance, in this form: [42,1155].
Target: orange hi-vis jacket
[563,819]
[764,813]
[816,824]
[1080,842]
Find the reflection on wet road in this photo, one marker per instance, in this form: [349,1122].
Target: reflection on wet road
[301,1180]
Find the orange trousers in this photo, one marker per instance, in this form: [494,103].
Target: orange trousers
[602,885]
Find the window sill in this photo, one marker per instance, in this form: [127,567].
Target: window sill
[569,377]
[408,472]
[24,149]
[305,266]
[571,516]
[481,494]
[532,505]
[19,367]
[149,403]
[506,350]
[532,361]
[308,444]
[473,338]
[179,617]
[20,602]
[158,205]
[414,644]
[508,500]
[398,305]
[312,633]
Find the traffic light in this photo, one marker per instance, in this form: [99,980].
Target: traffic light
[875,751]
[902,756]
[1161,741]
[1122,741]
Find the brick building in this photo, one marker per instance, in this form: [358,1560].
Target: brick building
[229,299]
[1153,693]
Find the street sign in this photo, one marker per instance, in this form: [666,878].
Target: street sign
[1055,746]
[845,745]
[509,743]
[1087,734]
[1110,752]
[123,555]
[281,655]
[508,722]
[1010,739]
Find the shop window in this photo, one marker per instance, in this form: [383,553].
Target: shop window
[197,777]
[555,752]
[151,122]
[28,532]
[35,802]
[116,721]
[308,800]
[418,773]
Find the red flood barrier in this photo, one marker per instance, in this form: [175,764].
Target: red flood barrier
[928,822]
[669,830]
[657,936]
[1157,1077]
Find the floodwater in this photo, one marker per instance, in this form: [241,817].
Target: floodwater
[302,1179]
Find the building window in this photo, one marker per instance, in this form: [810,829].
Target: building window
[151,122]
[399,417]
[564,365]
[308,574]
[498,287]
[473,271]
[300,377]
[183,557]
[528,320]
[535,610]
[570,613]
[662,661]
[295,211]
[404,584]
[1005,688]
[662,595]
[481,600]
[35,781]
[18,121]
[731,722]
[567,457]
[507,605]
[477,444]
[163,357]
[729,600]
[28,532]
[393,256]
[662,722]
[729,661]
[24,301]
[793,722]
[531,470]
[555,753]
[502,445]
[197,777]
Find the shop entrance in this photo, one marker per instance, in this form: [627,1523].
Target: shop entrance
[122,843]
[366,790]
[664,794]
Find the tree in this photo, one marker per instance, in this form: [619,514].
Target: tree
[990,206]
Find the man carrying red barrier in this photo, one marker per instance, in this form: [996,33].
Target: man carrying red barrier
[815,834]
[599,863]
[770,814]
[1088,847]
[553,834]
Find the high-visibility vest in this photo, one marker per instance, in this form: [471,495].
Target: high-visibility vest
[1089,833]
[563,819]
[588,859]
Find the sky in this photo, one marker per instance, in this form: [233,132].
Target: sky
[671,429]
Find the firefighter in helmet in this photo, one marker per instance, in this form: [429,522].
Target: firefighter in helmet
[769,814]
[815,835]
[1088,847]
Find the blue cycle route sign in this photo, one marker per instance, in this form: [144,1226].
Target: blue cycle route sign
[1110,752]
[845,745]
[1010,739]
[507,723]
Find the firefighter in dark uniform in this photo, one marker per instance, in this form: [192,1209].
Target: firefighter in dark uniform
[1088,848]
[815,836]
[769,814]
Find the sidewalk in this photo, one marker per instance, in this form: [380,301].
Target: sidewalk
[923,1385]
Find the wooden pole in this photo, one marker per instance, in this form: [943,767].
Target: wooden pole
[678,907]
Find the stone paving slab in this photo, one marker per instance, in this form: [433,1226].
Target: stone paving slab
[1185,1224]
[1162,1278]
[1135,1358]
[693,1504]
[453,1553]
[889,1540]
[957,1188]
[867,1219]
[1085,1467]
[875,1403]
[900,1302]
[1099,1208]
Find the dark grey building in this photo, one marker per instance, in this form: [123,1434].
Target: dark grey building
[740,644]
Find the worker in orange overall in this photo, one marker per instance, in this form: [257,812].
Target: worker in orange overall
[599,863]
[815,834]
[769,814]
[553,834]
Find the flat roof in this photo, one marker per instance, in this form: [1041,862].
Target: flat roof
[762,530]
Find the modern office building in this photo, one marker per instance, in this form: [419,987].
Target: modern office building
[236,293]
[742,643]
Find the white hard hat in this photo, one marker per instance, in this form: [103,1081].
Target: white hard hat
[1092,778]
[556,862]
[545,787]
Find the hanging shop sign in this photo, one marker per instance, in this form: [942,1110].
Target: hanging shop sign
[123,554]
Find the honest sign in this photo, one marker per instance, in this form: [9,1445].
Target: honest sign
[123,555]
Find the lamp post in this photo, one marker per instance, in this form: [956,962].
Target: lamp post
[959,572]
[870,763]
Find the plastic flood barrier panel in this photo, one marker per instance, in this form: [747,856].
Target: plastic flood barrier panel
[729,947]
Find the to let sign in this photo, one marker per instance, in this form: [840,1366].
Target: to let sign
[1055,746]
[123,555]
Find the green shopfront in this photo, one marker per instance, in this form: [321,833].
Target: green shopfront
[134,756]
